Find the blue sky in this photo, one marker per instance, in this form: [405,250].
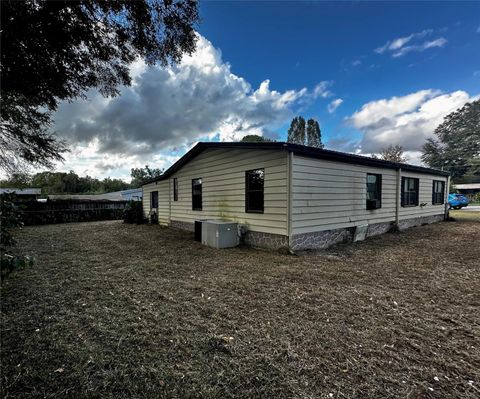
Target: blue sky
[394,70]
[296,44]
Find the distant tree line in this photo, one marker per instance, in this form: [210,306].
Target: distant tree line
[71,183]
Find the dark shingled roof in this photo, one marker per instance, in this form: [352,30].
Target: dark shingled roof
[303,150]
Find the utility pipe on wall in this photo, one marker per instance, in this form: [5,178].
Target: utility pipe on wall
[398,197]
[445,194]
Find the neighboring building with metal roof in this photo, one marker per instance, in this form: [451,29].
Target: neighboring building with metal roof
[23,194]
[114,196]
[294,196]
[470,189]
[134,194]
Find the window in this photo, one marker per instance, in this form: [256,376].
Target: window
[154,200]
[254,182]
[374,191]
[175,189]
[409,191]
[438,192]
[197,194]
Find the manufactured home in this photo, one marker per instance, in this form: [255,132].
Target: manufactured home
[288,195]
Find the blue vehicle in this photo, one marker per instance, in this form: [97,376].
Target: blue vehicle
[457,201]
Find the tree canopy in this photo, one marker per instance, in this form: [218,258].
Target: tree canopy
[57,50]
[393,153]
[314,135]
[141,175]
[296,132]
[64,183]
[456,147]
[71,183]
[309,135]
[252,138]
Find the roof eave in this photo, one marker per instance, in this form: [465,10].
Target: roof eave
[296,149]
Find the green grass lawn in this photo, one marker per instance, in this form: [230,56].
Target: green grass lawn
[124,311]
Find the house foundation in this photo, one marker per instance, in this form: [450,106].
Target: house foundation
[318,239]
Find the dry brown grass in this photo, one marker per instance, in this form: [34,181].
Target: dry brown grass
[466,215]
[125,311]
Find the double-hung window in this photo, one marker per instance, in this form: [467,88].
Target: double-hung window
[438,192]
[197,194]
[374,191]
[254,185]
[410,188]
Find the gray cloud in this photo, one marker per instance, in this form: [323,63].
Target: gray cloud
[176,106]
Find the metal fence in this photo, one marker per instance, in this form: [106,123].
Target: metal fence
[70,210]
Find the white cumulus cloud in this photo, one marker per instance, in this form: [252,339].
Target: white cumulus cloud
[408,120]
[172,107]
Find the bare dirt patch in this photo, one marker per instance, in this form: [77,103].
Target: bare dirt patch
[123,311]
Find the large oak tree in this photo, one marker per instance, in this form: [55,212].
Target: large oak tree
[456,147]
[56,50]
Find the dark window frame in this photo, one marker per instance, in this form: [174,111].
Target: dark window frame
[370,205]
[152,193]
[175,189]
[249,191]
[438,197]
[410,198]
[197,205]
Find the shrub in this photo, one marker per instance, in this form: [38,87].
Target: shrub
[10,217]
[133,213]
[9,263]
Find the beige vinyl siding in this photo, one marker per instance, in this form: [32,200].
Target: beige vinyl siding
[425,196]
[331,195]
[163,205]
[223,188]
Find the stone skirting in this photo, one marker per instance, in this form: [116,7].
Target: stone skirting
[379,228]
[317,239]
[177,224]
[320,239]
[327,238]
[265,240]
[406,223]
